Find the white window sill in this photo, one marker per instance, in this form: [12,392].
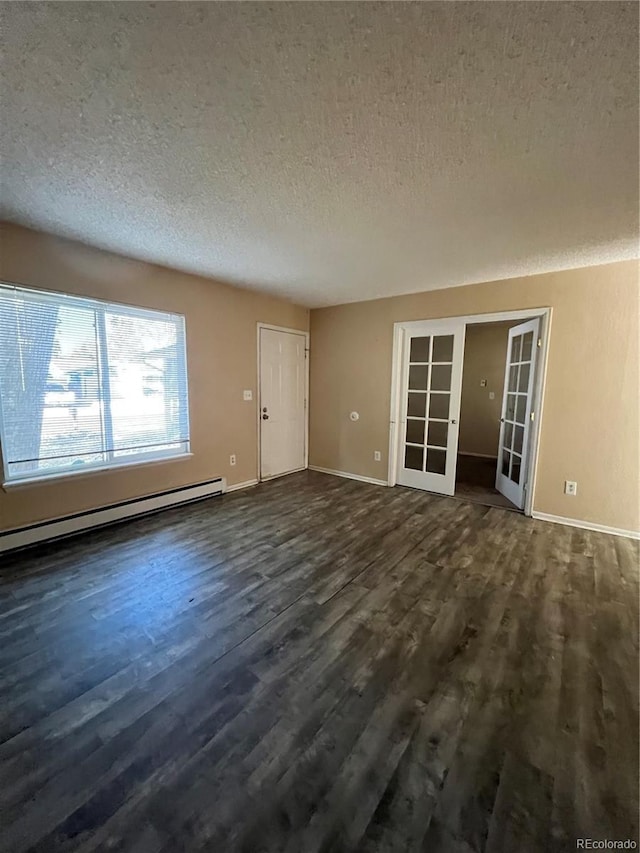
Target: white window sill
[87,472]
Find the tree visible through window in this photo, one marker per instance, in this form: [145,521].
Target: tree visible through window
[85,383]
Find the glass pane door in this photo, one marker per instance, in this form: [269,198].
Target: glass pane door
[516,411]
[431,406]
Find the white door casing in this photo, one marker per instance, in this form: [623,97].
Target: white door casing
[431,388]
[517,411]
[282,401]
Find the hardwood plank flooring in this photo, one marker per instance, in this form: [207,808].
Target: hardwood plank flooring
[318,664]
[476,481]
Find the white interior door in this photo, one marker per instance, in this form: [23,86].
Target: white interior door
[515,425]
[282,402]
[430,406]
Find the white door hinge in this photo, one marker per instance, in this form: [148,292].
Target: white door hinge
[539,342]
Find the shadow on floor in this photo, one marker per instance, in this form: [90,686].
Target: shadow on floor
[475,481]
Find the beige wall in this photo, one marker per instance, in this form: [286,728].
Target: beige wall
[221,353]
[485,354]
[590,427]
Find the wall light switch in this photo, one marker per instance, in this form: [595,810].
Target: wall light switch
[483,383]
[247,395]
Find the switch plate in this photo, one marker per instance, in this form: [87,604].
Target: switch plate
[247,395]
[232,459]
[483,383]
[570,487]
[492,395]
[377,456]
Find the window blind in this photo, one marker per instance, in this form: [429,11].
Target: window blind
[86,384]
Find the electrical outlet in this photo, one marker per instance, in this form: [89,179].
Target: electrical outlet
[492,395]
[232,459]
[377,456]
[247,395]
[570,487]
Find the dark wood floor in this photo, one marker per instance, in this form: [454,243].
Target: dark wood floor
[320,665]
[476,481]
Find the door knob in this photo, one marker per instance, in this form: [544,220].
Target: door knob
[265,417]
[454,421]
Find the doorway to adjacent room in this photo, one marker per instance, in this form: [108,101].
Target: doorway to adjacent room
[466,406]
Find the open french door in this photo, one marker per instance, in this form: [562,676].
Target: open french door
[517,415]
[430,405]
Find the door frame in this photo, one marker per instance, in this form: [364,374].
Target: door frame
[259,327]
[400,331]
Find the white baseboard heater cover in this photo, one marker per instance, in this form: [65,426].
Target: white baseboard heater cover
[68,525]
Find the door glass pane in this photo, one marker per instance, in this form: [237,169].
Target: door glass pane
[416,405]
[515,469]
[527,345]
[523,384]
[439,406]
[515,348]
[511,407]
[437,434]
[443,348]
[521,408]
[436,461]
[415,431]
[418,377]
[505,463]
[441,377]
[419,349]
[413,457]
[508,433]
[513,378]
[518,438]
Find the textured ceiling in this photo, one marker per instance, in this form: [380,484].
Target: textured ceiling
[327,152]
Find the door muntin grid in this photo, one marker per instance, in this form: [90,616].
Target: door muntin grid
[428,403]
[515,413]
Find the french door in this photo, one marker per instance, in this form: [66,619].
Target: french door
[516,417]
[282,401]
[430,405]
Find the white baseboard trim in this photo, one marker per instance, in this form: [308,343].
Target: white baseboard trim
[478,455]
[348,476]
[67,526]
[586,525]
[237,486]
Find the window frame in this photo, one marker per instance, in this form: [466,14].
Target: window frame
[114,463]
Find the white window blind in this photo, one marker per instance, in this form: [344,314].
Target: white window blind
[86,384]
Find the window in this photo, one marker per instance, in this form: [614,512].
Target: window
[87,384]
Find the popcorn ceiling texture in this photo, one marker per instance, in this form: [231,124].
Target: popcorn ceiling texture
[327,152]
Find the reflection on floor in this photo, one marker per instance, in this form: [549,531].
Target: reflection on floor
[317,664]
[475,481]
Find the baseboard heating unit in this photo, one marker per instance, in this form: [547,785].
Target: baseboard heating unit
[45,531]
